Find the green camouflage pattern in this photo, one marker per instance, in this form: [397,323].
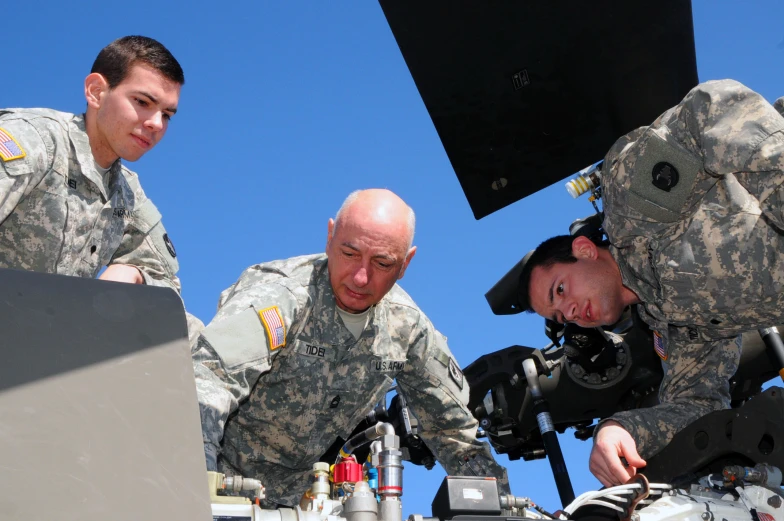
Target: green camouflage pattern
[58,214]
[716,269]
[272,414]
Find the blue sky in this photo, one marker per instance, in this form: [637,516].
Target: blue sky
[288,107]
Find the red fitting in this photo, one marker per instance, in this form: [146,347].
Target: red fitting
[348,470]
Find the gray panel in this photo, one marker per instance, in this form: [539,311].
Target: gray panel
[98,412]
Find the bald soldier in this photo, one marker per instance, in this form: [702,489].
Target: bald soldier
[302,348]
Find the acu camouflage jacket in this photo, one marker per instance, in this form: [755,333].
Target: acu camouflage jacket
[694,211]
[280,377]
[59,215]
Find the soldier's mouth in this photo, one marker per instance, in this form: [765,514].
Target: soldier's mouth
[141,141]
[355,295]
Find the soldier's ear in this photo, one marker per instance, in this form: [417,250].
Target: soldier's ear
[409,256]
[330,230]
[95,88]
[584,248]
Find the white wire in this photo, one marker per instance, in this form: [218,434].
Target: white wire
[605,504]
[610,493]
[613,497]
[593,494]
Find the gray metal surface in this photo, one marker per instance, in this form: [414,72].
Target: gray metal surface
[98,412]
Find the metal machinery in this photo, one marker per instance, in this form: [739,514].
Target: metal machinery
[350,491]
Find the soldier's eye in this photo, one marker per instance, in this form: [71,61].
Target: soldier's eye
[560,289]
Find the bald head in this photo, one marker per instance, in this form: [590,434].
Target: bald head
[379,206]
[369,247]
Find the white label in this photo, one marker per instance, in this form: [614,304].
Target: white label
[472,493]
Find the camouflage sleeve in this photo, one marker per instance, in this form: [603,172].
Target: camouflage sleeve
[146,245]
[234,350]
[31,162]
[779,105]
[696,382]
[437,393]
[737,132]
[763,177]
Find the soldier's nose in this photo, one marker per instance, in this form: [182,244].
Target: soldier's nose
[360,277]
[571,313]
[155,122]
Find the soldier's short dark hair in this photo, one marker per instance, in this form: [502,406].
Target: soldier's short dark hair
[115,61]
[555,250]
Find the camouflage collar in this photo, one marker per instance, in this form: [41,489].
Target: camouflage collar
[327,318]
[77,133]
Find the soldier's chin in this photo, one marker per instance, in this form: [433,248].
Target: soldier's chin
[132,157]
[614,319]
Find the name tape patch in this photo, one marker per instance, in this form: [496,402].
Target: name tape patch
[316,351]
[274,326]
[387,366]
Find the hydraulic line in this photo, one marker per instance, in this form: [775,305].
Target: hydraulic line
[366,436]
[549,437]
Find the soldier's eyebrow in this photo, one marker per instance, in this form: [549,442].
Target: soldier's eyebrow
[349,246]
[385,256]
[173,110]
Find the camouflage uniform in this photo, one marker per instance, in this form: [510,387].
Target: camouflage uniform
[705,257]
[59,215]
[270,410]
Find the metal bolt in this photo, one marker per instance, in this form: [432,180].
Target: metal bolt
[706,516]
[635,517]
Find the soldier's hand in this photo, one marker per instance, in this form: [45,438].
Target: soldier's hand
[611,443]
[122,273]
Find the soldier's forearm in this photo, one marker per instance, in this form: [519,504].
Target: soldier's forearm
[653,428]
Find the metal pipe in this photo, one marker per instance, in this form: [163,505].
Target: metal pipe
[366,436]
[549,437]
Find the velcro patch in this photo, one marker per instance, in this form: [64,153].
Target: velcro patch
[387,366]
[9,147]
[316,351]
[660,345]
[455,373]
[274,326]
[663,177]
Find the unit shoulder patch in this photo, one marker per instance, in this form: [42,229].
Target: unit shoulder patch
[274,326]
[169,245]
[10,148]
[455,373]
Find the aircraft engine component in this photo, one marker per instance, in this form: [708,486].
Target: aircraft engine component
[348,492]
[587,180]
[706,500]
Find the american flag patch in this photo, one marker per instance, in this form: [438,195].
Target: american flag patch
[659,345]
[9,148]
[765,517]
[276,329]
